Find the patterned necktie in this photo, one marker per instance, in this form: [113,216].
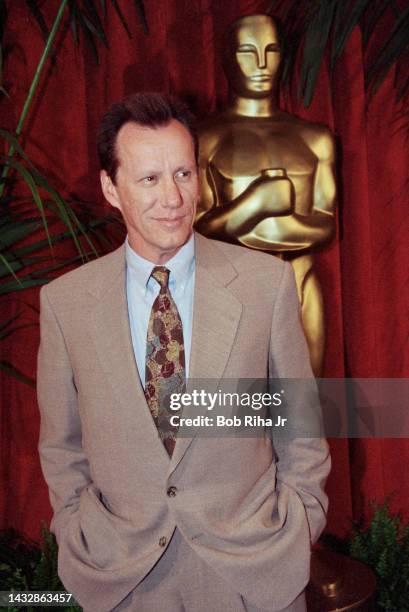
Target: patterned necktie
[165,358]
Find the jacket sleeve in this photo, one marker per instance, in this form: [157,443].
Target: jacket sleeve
[303,461]
[64,465]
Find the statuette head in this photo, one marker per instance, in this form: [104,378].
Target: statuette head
[252,55]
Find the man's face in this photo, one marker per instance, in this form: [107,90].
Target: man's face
[254,57]
[156,187]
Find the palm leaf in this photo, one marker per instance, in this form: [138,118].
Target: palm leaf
[31,184]
[6,333]
[10,269]
[310,24]
[372,18]
[87,16]
[121,17]
[73,23]
[12,140]
[3,91]
[34,85]
[34,178]
[18,264]
[15,231]
[40,244]
[21,257]
[92,21]
[347,18]
[38,278]
[7,367]
[395,46]
[316,40]
[26,305]
[8,322]
[95,20]
[140,9]
[26,283]
[66,214]
[78,17]
[83,232]
[34,7]
[293,18]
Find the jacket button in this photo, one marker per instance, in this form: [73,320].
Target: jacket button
[171,492]
[162,541]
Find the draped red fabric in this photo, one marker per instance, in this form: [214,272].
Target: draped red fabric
[364,272]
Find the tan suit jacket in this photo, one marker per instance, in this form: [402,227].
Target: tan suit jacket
[248,509]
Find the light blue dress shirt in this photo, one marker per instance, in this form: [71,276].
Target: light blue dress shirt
[142,289]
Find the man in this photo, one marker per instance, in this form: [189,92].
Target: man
[154,522]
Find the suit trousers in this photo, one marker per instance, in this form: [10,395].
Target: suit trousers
[182,582]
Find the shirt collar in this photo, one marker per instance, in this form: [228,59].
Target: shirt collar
[180,265]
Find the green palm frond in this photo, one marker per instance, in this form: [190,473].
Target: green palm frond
[315,26]
[92,30]
[28,216]
[372,18]
[14,228]
[35,279]
[345,22]
[293,18]
[8,267]
[140,9]
[121,17]
[34,7]
[29,180]
[12,330]
[316,40]
[18,264]
[65,213]
[13,232]
[9,368]
[23,246]
[7,329]
[88,17]
[394,49]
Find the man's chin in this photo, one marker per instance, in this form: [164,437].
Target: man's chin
[176,239]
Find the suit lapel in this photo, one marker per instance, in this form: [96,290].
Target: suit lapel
[112,336]
[216,316]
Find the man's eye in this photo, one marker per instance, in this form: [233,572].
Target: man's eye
[183,174]
[149,180]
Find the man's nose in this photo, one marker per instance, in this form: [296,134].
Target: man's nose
[172,196]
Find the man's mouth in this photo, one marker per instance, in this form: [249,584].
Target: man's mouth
[170,222]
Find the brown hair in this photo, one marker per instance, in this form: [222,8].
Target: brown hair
[147,109]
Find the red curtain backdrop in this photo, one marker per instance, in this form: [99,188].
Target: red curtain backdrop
[364,272]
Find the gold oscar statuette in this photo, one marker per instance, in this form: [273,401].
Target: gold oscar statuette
[268,177]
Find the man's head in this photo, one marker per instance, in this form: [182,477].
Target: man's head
[148,154]
[252,55]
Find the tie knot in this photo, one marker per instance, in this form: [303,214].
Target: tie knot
[161,274]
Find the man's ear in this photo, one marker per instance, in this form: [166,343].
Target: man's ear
[109,189]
